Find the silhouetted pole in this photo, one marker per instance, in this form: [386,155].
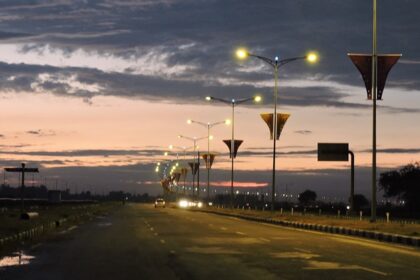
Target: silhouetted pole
[198,174]
[232,148]
[374,96]
[22,189]
[352,181]
[22,170]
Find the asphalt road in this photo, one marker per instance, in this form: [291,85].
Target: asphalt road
[140,242]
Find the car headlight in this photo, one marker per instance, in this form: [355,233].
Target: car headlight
[199,205]
[183,203]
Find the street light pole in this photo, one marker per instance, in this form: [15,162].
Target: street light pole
[208,126]
[194,140]
[374,97]
[276,64]
[233,103]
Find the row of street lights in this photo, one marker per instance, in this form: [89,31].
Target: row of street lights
[275,121]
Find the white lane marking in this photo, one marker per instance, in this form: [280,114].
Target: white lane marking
[317,265]
[354,240]
[302,250]
[377,245]
[152,229]
[240,233]
[223,228]
[156,234]
[36,245]
[264,239]
[294,255]
[210,225]
[162,241]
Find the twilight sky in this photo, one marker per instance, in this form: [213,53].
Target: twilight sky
[93,92]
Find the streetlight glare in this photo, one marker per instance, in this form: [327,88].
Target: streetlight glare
[208,98]
[189,121]
[241,53]
[211,137]
[165,154]
[228,122]
[312,57]
[257,98]
[171,147]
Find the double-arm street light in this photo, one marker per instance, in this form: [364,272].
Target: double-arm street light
[208,159]
[275,64]
[233,102]
[194,140]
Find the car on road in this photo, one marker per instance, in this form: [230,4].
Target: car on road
[185,203]
[160,202]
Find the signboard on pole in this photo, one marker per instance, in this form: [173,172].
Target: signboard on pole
[333,151]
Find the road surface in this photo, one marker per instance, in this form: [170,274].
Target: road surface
[140,242]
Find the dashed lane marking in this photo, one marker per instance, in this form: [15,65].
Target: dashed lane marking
[302,250]
[240,233]
[162,241]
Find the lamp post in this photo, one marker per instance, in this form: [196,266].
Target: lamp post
[183,168]
[208,126]
[194,140]
[374,69]
[275,64]
[233,102]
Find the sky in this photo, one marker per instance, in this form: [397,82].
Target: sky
[94,92]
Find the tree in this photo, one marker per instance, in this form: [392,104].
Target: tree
[360,201]
[403,184]
[307,197]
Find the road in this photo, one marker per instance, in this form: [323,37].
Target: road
[140,242]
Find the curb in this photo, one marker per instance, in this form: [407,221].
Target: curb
[37,231]
[374,235]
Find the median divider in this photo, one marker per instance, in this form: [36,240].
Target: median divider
[374,235]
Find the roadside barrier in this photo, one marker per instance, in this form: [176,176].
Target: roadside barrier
[38,230]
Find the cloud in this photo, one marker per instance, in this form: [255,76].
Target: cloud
[178,49]
[41,133]
[85,153]
[303,132]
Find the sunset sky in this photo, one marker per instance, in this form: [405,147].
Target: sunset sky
[93,92]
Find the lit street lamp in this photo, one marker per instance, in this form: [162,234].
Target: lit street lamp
[276,64]
[207,159]
[194,140]
[233,102]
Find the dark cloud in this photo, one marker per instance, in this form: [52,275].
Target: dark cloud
[87,153]
[203,35]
